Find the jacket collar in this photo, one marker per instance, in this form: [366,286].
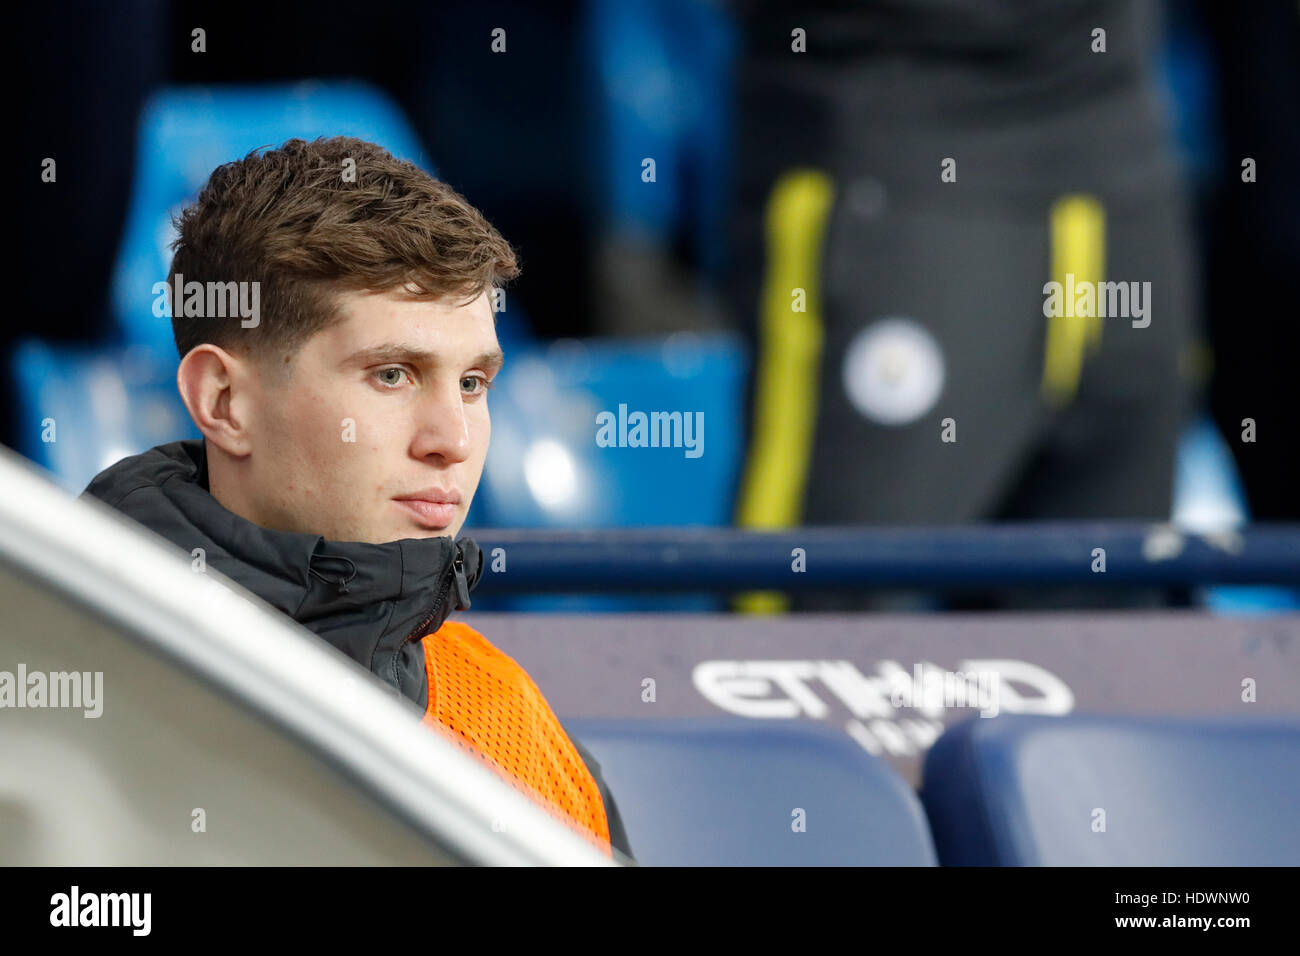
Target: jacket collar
[373,602]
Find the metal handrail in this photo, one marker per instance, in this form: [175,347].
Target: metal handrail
[811,558]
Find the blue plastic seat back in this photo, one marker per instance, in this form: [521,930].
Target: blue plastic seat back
[187,132]
[550,464]
[1022,790]
[658,72]
[565,450]
[81,409]
[1209,497]
[735,792]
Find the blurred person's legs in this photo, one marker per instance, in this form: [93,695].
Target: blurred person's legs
[1109,454]
[919,381]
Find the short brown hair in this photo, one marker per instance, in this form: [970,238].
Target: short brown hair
[291,221]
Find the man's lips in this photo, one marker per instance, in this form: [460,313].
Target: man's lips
[434,515]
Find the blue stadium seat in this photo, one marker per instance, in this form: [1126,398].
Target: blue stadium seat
[724,792]
[187,132]
[659,72]
[545,469]
[1020,790]
[1209,498]
[82,408]
[1208,495]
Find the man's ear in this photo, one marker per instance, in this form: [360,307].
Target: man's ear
[216,387]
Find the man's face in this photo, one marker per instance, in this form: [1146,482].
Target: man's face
[383,416]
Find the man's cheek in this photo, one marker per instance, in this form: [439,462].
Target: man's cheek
[332,434]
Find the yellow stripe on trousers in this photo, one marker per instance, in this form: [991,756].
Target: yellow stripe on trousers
[1078,229]
[788,362]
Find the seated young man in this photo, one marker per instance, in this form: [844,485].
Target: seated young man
[345,423]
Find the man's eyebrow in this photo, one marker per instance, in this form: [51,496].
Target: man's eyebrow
[491,360]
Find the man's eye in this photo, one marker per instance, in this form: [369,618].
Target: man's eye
[390,376]
[476,378]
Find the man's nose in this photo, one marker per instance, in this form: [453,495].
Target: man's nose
[443,426]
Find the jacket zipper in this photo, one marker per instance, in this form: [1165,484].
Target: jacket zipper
[456,575]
